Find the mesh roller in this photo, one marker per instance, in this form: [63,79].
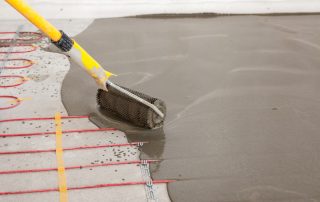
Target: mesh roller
[135,107]
[129,109]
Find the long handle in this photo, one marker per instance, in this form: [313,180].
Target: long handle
[76,52]
[65,43]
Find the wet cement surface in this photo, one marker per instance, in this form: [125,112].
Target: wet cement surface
[242,96]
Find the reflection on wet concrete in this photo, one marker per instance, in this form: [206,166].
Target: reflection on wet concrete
[242,96]
[155,138]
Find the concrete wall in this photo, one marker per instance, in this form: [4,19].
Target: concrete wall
[116,8]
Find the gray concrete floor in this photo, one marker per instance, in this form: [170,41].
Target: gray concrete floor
[242,94]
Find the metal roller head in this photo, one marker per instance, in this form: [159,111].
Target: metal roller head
[126,107]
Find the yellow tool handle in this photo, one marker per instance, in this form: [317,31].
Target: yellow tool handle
[64,43]
[36,19]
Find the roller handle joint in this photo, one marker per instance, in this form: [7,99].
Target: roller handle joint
[65,43]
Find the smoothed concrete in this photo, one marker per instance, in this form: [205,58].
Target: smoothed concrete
[242,96]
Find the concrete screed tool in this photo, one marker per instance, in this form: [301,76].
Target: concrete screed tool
[135,107]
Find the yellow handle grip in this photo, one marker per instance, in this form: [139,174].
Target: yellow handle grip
[77,53]
[36,19]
